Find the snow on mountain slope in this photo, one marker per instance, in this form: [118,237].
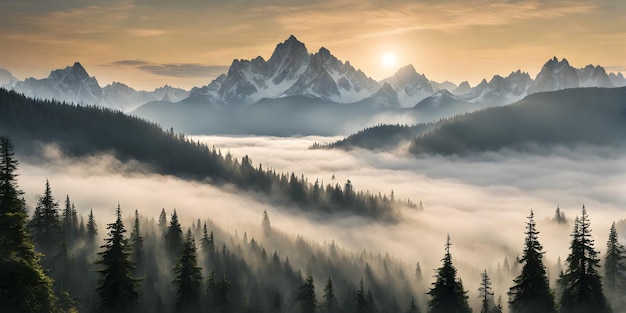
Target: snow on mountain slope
[410,86]
[73,84]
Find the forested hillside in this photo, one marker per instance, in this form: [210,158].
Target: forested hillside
[593,116]
[379,137]
[83,130]
[587,116]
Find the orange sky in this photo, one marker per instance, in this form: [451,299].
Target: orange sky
[186,43]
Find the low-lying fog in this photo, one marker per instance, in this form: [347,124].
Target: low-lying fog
[481,201]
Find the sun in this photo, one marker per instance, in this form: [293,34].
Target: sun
[388,60]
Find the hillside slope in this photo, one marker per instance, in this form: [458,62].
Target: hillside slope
[595,116]
[81,131]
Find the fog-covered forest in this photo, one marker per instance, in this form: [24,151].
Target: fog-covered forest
[86,130]
[138,263]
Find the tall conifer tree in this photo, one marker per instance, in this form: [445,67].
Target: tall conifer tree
[531,292]
[118,288]
[581,283]
[615,269]
[306,296]
[447,294]
[188,277]
[24,287]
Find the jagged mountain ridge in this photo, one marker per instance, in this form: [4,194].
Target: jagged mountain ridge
[293,71]
[290,71]
[73,84]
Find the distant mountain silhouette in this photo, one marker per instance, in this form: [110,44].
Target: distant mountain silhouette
[74,85]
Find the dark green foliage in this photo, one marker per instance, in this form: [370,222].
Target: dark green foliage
[188,277]
[413,307]
[418,272]
[380,137]
[447,294]
[218,291]
[360,300]
[537,120]
[174,236]
[82,130]
[306,296]
[70,222]
[581,283]
[24,287]
[136,241]
[329,305]
[531,291]
[559,216]
[485,293]
[46,224]
[265,223]
[615,269]
[163,221]
[277,303]
[92,228]
[118,288]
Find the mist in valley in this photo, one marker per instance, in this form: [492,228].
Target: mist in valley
[481,201]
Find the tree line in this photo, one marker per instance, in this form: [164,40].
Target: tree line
[87,130]
[54,261]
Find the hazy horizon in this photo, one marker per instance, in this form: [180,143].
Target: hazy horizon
[147,44]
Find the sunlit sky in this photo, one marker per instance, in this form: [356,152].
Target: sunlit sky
[186,43]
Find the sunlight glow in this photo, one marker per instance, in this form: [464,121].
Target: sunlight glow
[389,60]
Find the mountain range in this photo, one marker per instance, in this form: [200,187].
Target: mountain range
[73,84]
[293,76]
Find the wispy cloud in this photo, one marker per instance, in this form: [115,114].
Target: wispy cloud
[174,69]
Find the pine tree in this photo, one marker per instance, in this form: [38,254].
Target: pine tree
[559,216]
[306,296]
[118,288]
[208,241]
[418,272]
[267,227]
[136,241]
[188,277]
[360,301]
[69,223]
[447,294]
[218,291]
[46,223]
[581,283]
[163,221]
[330,302]
[615,269]
[413,307]
[370,304]
[277,303]
[531,292]
[498,307]
[24,287]
[92,228]
[485,293]
[174,236]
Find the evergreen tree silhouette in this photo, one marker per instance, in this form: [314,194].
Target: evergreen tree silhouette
[581,282]
[24,287]
[531,292]
[188,277]
[447,294]
[118,288]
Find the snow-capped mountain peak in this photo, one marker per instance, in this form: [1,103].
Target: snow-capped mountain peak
[410,86]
